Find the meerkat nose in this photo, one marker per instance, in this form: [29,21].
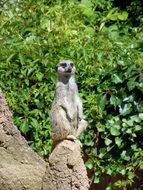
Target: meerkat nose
[69,70]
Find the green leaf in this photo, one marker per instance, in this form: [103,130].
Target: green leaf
[134,147]
[123,172]
[24,127]
[101,128]
[107,141]
[135,118]
[138,128]
[39,76]
[89,164]
[103,151]
[96,179]
[10,57]
[109,171]
[140,86]
[22,60]
[109,188]
[131,84]
[102,102]
[114,101]
[141,116]
[118,141]
[129,131]
[34,122]
[116,79]
[88,141]
[86,9]
[87,2]
[112,15]
[90,31]
[131,175]
[124,155]
[126,109]
[130,123]
[123,15]
[101,26]
[114,130]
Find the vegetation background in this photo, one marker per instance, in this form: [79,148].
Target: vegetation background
[105,40]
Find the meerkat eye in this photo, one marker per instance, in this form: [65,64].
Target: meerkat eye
[63,65]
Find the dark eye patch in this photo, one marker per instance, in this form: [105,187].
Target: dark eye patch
[63,65]
[71,64]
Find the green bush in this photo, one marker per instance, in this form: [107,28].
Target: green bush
[107,51]
[118,115]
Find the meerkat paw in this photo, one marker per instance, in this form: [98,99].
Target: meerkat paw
[80,144]
[71,137]
[83,123]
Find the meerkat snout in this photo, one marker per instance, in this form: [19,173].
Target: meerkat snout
[69,69]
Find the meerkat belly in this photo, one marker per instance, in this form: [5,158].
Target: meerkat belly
[74,117]
[71,94]
[73,111]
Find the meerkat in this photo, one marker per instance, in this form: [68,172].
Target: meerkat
[67,112]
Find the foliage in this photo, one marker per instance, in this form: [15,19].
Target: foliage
[134,9]
[106,47]
[119,121]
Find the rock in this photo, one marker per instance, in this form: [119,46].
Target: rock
[65,168]
[20,167]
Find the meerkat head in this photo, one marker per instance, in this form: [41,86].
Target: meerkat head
[65,68]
